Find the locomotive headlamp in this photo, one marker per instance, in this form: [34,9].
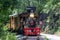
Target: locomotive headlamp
[32,15]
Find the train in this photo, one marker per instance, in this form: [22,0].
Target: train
[26,23]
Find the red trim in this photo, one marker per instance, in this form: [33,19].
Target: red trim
[27,31]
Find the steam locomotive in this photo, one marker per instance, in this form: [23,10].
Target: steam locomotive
[26,22]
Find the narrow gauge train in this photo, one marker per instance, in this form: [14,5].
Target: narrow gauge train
[25,23]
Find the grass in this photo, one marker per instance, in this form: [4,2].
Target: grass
[58,32]
[45,38]
[6,35]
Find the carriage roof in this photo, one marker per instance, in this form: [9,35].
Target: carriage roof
[15,15]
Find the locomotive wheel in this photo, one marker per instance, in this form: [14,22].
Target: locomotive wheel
[38,38]
[25,38]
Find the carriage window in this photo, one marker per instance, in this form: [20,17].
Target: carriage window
[16,23]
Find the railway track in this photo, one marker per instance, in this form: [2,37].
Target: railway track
[19,37]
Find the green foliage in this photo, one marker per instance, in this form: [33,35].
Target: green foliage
[5,35]
[8,36]
[50,7]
